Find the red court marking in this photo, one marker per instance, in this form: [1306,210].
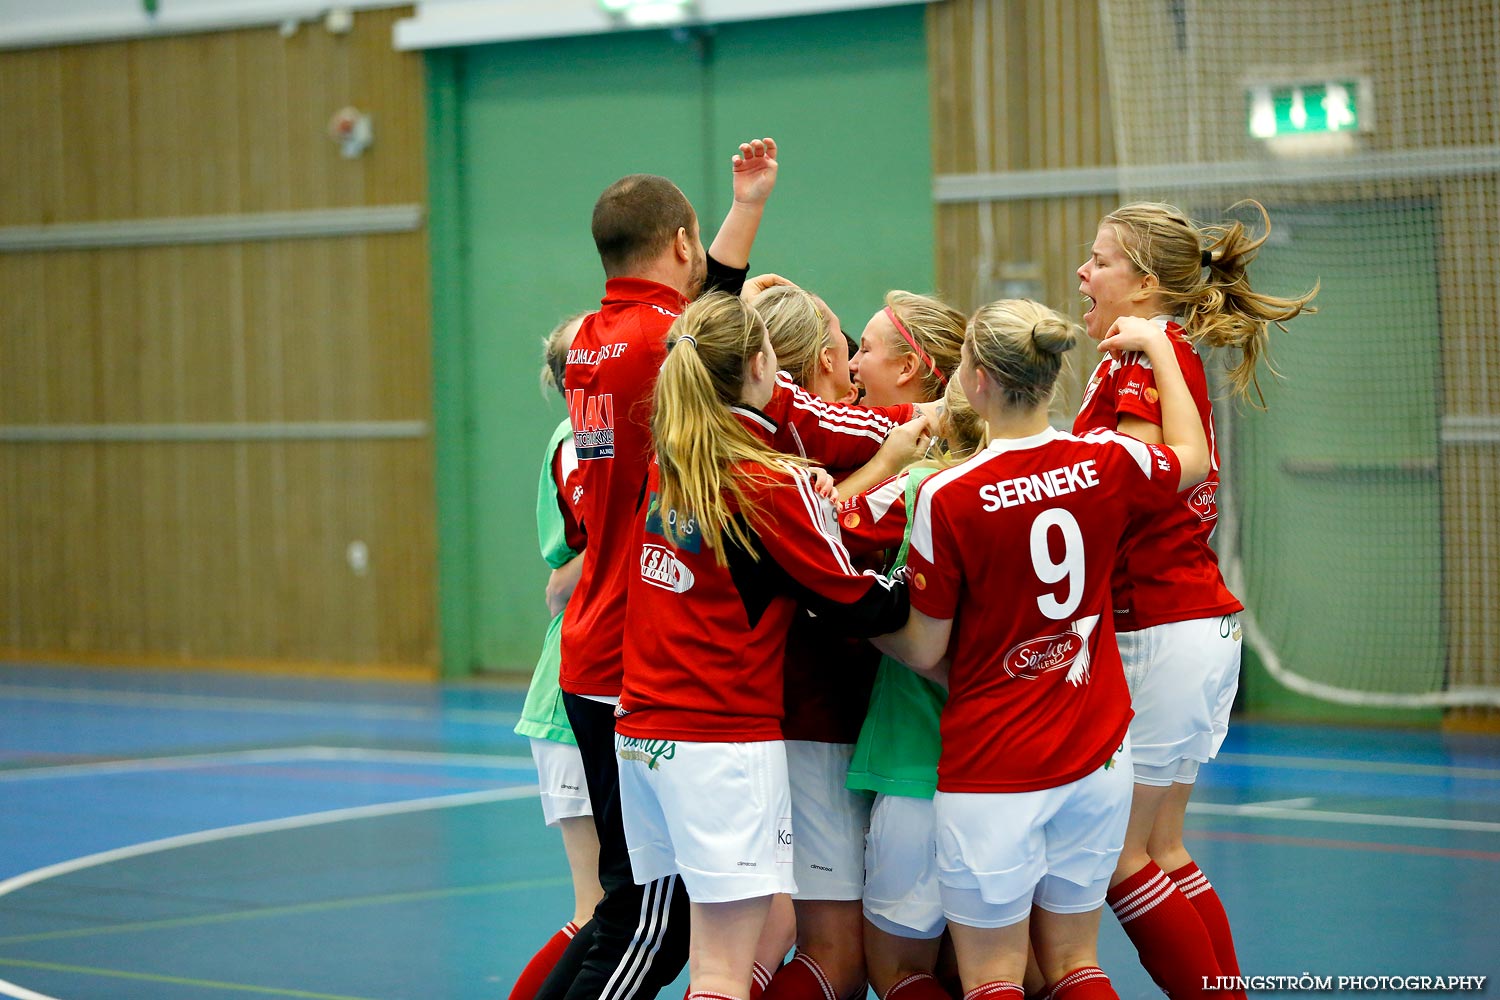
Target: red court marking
[1344,845]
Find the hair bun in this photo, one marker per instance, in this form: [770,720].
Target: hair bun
[1054,335]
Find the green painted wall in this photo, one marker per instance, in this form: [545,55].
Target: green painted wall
[524,136]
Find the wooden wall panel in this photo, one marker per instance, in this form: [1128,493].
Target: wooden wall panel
[215,550]
[1471,383]
[206,124]
[1029,75]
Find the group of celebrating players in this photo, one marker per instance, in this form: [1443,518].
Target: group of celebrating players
[857,656]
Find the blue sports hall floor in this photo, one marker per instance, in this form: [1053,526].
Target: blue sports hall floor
[169,835]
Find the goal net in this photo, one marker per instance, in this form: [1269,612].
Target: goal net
[1360,515]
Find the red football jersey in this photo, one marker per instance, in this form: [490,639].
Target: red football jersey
[569,493]
[827,676]
[875,520]
[1017,545]
[611,372]
[1167,570]
[704,642]
[837,436]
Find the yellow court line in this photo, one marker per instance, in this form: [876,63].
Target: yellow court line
[89,970]
[283,911]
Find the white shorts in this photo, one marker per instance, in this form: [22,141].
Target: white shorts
[998,853]
[829,819]
[1182,677]
[559,774]
[901,886]
[718,814]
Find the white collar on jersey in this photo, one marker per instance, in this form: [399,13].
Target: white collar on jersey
[1021,444]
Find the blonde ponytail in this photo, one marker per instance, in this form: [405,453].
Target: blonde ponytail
[698,439]
[1203,277]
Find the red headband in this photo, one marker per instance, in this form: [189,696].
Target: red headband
[916,346]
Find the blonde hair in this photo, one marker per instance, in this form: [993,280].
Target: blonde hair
[1021,344]
[1202,277]
[555,352]
[799,328]
[937,327]
[698,439]
[963,429]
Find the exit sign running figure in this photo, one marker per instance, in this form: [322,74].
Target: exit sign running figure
[1303,109]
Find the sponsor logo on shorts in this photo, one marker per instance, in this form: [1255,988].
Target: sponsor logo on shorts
[747,864]
[1031,659]
[851,520]
[569,788]
[821,868]
[1114,758]
[660,567]
[1203,501]
[919,581]
[648,752]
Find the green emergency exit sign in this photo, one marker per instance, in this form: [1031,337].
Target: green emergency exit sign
[1303,109]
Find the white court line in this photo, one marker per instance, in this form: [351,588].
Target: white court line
[1363,766]
[266,706]
[434,757]
[138,764]
[25,879]
[275,755]
[21,992]
[1255,811]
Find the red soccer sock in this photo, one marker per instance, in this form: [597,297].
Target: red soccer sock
[1167,932]
[917,986]
[1196,887]
[1000,989]
[760,978]
[1086,983]
[800,979]
[541,963]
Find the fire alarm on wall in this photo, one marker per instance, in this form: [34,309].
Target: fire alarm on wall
[352,130]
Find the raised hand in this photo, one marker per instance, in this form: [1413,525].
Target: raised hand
[754,171]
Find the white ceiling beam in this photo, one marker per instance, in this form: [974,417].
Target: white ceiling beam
[443,23]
